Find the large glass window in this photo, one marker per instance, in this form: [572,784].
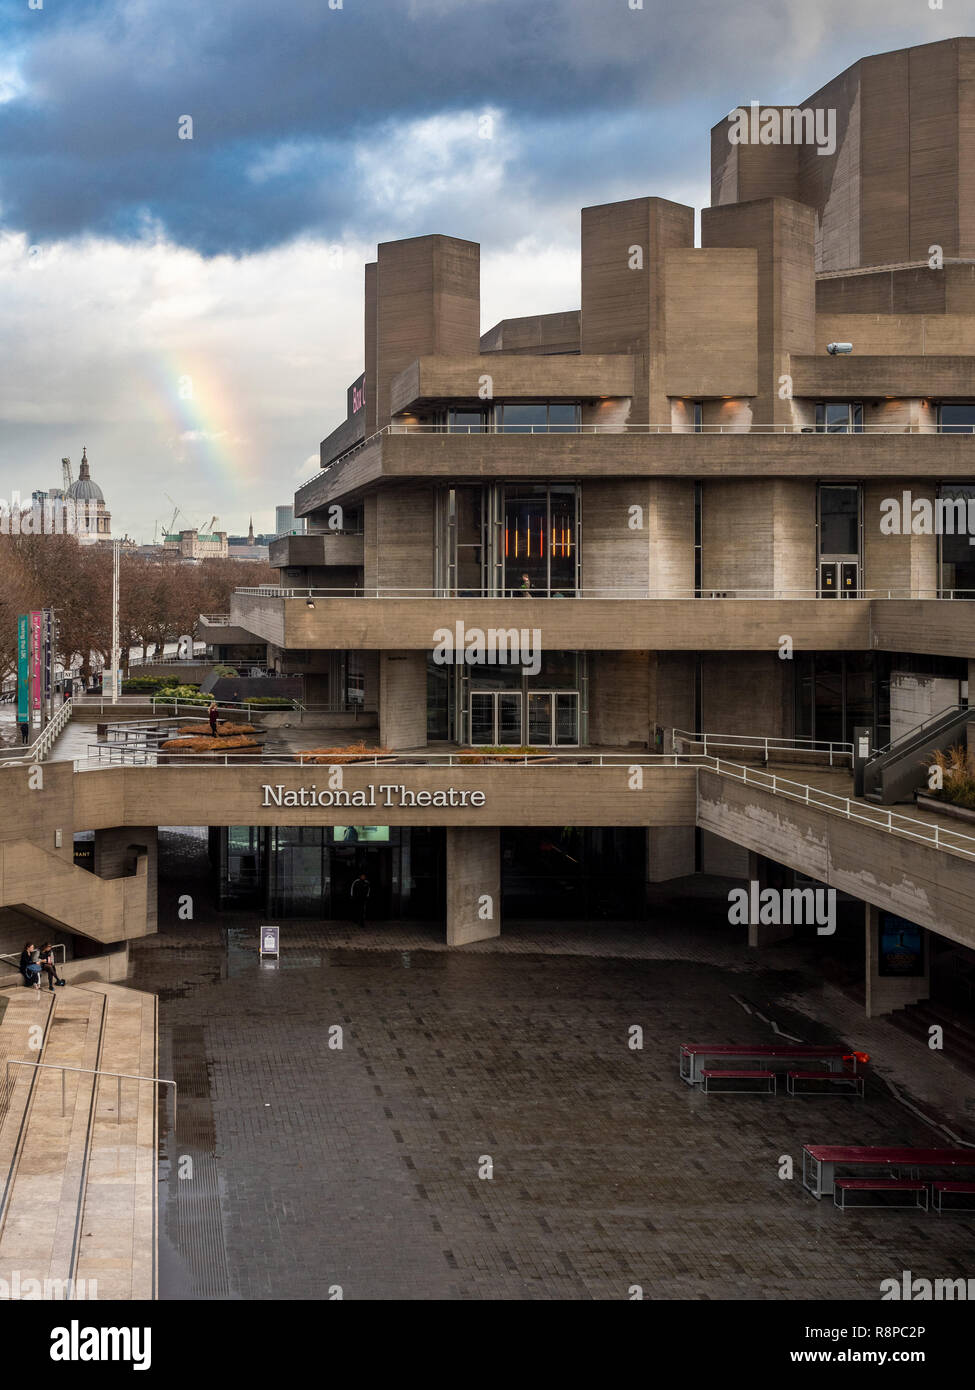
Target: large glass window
[519,539]
[524,417]
[539,541]
[957,555]
[839,417]
[839,520]
[957,419]
[468,421]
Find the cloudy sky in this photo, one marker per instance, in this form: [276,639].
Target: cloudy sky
[191,308]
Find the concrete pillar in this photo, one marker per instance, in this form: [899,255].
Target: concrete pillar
[762,933]
[473,884]
[670,852]
[885,993]
[759,534]
[403,699]
[115,854]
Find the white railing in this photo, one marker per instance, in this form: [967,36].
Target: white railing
[93,1071]
[838,753]
[42,745]
[545,759]
[893,822]
[626,428]
[616,592]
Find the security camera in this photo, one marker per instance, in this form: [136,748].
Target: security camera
[834,348]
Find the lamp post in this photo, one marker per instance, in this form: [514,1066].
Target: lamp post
[116,648]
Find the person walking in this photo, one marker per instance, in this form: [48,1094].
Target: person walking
[360,896]
[24,728]
[212,712]
[47,964]
[526,586]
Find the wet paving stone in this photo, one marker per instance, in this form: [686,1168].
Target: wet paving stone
[363,1168]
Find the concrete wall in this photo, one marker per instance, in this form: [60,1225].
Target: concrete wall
[116,855]
[711,321]
[403,699]
[758,536]
[473,884]
[904,564]
[619,700]
[747,693]
[913,699]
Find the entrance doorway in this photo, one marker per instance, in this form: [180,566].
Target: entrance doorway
[498,718]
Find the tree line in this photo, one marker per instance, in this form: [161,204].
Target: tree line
[159,601]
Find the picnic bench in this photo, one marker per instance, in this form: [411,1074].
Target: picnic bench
[820,1162]
[939,1189]
[919,1191]
[709,1074]
[693,1056]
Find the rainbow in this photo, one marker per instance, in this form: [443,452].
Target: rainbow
[198,417]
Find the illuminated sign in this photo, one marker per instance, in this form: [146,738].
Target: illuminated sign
[356,396]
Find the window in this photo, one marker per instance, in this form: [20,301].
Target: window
[538,417]
[956,555]
[698,408]
[839,520]
[839,417]
[468,421]
[957,419]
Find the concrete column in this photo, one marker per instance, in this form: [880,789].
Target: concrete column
[403,699]
[884,994]
[760,933]
[905,564]
[473,884]
[670,852]
[115,855]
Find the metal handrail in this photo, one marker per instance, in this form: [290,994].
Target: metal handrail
[615,592]
[34,752]
[764,744]
[94,1071]
[916,729]
[548,758]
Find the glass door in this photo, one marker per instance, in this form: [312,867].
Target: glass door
[509,717]
[482,716]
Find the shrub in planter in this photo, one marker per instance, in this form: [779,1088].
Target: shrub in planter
[957,776]
[352,753]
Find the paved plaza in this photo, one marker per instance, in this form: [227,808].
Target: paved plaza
[317,1168]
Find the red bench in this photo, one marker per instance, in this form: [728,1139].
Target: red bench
[940,1188]
[707,1076]
[851,1083]
[694,1056]
[844,1185]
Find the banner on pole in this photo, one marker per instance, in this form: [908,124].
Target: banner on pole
[23,669]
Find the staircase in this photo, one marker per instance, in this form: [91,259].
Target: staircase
[78,1189]
[895,773]
[959,1030]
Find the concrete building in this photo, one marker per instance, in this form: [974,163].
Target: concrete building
[190,545]
[674,507]
[601,537]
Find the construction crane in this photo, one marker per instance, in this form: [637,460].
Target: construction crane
[66,473]
[210,525]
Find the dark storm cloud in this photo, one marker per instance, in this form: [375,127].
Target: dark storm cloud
[91,140]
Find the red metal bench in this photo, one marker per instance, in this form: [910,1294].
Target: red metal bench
[708,1075]
[844,1185]
[940,1188]
[844,1077]
[694,1056]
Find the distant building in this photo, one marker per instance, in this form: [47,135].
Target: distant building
[190,545]
[285,523]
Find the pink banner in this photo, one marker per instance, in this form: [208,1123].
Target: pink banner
[36,648]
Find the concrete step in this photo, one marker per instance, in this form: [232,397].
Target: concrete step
[39,1221]
[117,1247]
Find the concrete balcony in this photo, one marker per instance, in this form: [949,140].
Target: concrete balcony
[220,630]
[312,619]
[400,454]
[571,378]
[904,377]
[330,548]
[588,624]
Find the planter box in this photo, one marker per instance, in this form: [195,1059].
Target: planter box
[944,808]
